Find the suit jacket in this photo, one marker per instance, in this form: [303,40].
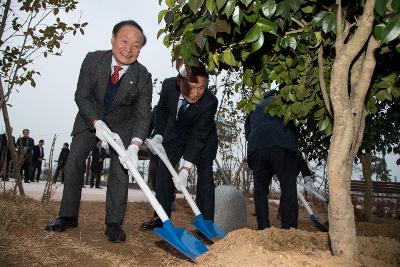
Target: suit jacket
[62,158]
[28,142]
[129,114]
[37,153]
[3,144]
[98,154]
[264,131]
[195,129]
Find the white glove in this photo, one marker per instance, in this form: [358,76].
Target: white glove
[155,141]
[101,130]
[308,184]
[182,179]
[183,175]
[131,154]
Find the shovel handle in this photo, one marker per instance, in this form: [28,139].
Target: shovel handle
[138,177]
[303,200]
[314,192]
[175,175]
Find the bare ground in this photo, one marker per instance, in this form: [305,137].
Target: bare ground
[23,241]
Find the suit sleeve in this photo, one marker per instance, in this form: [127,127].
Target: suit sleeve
[201,132]
[142,110]
[84,95]
[161,114]
[247,127]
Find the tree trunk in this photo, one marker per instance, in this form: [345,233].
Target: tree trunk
[17,161]
[366,159]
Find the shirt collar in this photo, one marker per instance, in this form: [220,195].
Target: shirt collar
[114,62]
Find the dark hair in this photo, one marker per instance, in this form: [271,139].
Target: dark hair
[41,141]
[194,71]
[133,23]
[66,144]
[25,130]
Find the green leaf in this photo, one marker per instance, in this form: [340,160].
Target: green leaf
[230,6]
[396,5]
[389,32]
[282,8]
[381,95]
[246,2]
[259,43]
[170,3]
[380,7]
[195,5]
[229,58]
[329,23]
[220,4]
[200,39]
[289,41]
[237,16]
[266,25]
[55,11]
[296,107]
[268,9]
[161,15]
[289,62]
[161,31]
[210,5]
[324,124]
[319,17]
[252,35]
[308,9]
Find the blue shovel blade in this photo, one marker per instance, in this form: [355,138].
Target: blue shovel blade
[181,239]
[208,228]
[317,224]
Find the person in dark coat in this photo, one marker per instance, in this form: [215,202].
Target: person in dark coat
[272,149]
[62,160]
[185,125]
[113,95]
[96,166]
[37,158]
[5,156]
[25,145]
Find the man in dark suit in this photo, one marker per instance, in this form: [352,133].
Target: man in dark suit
[5,156]
[38,155]
[114,93]
[272,149]
[62,160]
[184,123]
[25,145]
[96,166]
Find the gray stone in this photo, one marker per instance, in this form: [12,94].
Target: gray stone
[230,208]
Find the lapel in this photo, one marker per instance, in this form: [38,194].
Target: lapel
[104,72]
[128,83]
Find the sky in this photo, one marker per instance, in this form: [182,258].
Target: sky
[49,108]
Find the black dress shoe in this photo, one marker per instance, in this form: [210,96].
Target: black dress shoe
[153,223]
[61,223]
[115,233]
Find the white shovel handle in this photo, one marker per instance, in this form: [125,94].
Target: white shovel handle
[313,191]
[302,199]
[138,177]
[175,176]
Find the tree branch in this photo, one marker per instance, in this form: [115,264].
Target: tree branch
[321,78]
[4,19]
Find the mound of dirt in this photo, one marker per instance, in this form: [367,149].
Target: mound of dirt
[276,247]
[24,242]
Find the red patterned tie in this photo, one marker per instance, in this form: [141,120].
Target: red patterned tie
[115,74]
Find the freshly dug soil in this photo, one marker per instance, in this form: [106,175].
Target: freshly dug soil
[24,242]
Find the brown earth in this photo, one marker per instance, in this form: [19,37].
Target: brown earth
[23,242]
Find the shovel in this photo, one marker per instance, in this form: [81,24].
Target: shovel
[313,218]
[206,227]
[314,192]
[178,237]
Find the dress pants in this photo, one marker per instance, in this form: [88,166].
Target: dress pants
[117,187]
[95,176]
[205,193]
[282,162]
[37,166]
